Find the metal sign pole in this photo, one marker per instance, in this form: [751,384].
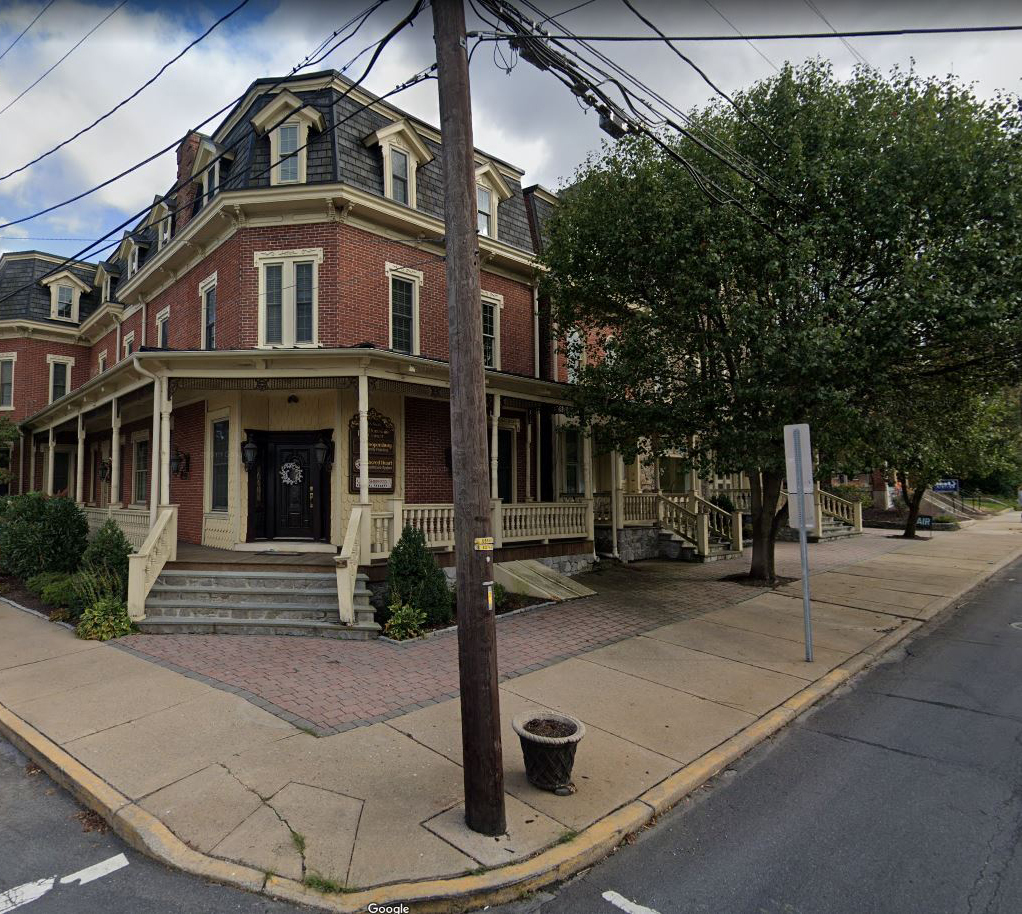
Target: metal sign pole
[803,546]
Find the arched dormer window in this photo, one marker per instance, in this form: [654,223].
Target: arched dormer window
[491,190]
[288,121]
[403,152]
[65,295]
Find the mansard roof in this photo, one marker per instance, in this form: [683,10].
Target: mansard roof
[27,269]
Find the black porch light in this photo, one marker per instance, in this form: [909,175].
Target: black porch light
[320,449]
[179,464]
[249,453]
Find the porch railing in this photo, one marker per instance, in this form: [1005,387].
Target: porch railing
[134,522]
[828,504]
[144,566]
[640,507]
[347,562]
[602,507]
[435,521]
[544,520]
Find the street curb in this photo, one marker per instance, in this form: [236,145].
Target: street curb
[149,835]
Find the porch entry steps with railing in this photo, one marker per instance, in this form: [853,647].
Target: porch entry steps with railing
[272,602]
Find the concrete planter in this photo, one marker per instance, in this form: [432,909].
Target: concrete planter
[549,759]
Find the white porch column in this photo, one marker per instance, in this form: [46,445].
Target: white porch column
[80,462]
[115,455]
[165,407]
[587,480]
[31,461]
[49,462]
[21,463]
[539,457]
[615,504]
[494,450]
[365,531]
[154,453]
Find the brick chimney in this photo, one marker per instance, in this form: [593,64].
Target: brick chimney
[186,153]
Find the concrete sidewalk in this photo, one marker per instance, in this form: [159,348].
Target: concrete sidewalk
[207,781]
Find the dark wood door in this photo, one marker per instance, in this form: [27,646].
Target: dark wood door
[294,491]
[504,467]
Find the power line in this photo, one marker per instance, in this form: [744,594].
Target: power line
[738,31]
[851,50]
[773,36]
[26,28]
[133,95]
[380,45]
[70,51]
[361,17]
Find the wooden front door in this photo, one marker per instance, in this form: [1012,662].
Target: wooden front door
[293,470]
[289,492]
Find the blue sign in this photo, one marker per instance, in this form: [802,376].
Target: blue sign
[945,485]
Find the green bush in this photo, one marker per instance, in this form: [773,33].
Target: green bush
[406,621]
[40,534]
[96,584]
[853,494]
[62,592]
[724,503]
[39,582]
[499,597]
[414,578]
[944,519]
[109,550]
[105,619]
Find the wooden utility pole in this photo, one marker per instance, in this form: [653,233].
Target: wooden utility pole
[477,643]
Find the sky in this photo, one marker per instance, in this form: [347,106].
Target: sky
[525,117]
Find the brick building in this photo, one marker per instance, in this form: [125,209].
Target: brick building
[262,362]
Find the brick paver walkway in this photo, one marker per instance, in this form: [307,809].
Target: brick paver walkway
[329,686]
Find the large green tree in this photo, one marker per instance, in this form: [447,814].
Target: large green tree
[879,240]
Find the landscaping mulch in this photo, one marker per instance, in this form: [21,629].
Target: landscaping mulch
[14,589]
[545,726]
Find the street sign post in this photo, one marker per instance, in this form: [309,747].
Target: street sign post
[798,459]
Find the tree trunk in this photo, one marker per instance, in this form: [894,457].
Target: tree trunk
[914,501]
[766,490]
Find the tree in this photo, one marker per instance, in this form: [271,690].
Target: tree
[878,240]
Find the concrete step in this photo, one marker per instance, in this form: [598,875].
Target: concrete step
[248,580]
[192,609]
[240,596]
[228,625]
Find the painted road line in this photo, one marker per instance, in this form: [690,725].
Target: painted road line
[33,891]
[630,907]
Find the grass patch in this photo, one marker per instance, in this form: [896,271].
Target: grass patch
[327,885]
[298,840]
[569,835]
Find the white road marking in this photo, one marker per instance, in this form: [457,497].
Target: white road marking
[23,894]
[32,891]
[630,907]
[97,871]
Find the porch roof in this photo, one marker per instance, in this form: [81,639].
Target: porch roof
[228,367]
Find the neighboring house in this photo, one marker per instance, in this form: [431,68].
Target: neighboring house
[279,317]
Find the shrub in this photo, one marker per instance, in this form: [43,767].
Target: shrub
[499,597]
[62,592]
[105,619]
[414,578]
[109,550]
[39,582]
[944,519]
[853,494]
[40,534]
[724,503]
[96,584]
[406,621]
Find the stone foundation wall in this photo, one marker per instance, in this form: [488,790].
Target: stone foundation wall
[633,543]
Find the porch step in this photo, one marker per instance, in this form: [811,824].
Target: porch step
[532,577]
[230,625]
[674,546]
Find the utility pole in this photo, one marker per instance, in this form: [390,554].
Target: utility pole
[477,639]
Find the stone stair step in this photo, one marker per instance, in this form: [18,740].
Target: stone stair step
[235,580]
[192,610]
[225,625]
[241,596]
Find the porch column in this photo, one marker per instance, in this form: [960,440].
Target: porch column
[587,480]
[80,462]
[165,407]
[31,461]
[21,463]
[539,457]
[528,460]
[617,492]
[615,506]
[365,531]
[154,453]
[49,462]
[115,455]
[494,450]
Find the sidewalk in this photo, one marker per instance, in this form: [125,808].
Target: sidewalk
[674,672]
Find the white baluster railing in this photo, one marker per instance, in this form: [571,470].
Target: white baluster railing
[545,520]
[640,507]
[346,563]
[144,566]
[435,521]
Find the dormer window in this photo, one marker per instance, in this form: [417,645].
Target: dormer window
[107,282]
[65,302]
[403,151]
[491,190]
[289,141]
[164,233]
[484,205]
[133,260]
[65,295]
[210,182]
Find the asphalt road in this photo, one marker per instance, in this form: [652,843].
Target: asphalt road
[900,795]
[41,838]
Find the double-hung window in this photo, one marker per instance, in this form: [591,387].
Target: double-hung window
[572,462]
[207,301]
[484,205]
[288,297]
[140,471]
[60,375]
[65,302]
[163,329]
[7,381]
[399,176]
[402,315]
[287,148]
[489,334]
[220,465]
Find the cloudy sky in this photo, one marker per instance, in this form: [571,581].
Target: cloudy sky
[524,116]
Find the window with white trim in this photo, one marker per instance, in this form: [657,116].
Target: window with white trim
[491,305]
[210,182]
[207,301]
[7,361]
[484,207]
[219,478]
[129,343]
[65,302]
[60,375]
[133,260]
[140,468]
[404,308]
[289,297]
[101,362]
[287,151]
[107,288]
[399,165]
[66,290]
[163,328]
[572,462]
[164,232]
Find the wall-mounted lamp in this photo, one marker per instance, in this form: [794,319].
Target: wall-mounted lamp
[179,464]
[321,450]
[249,453]
[104,470]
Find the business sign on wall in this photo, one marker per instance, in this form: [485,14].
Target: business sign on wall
[382,454]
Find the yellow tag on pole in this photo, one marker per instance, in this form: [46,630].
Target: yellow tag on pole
[484,544]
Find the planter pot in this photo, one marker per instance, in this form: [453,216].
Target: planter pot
[549,759]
